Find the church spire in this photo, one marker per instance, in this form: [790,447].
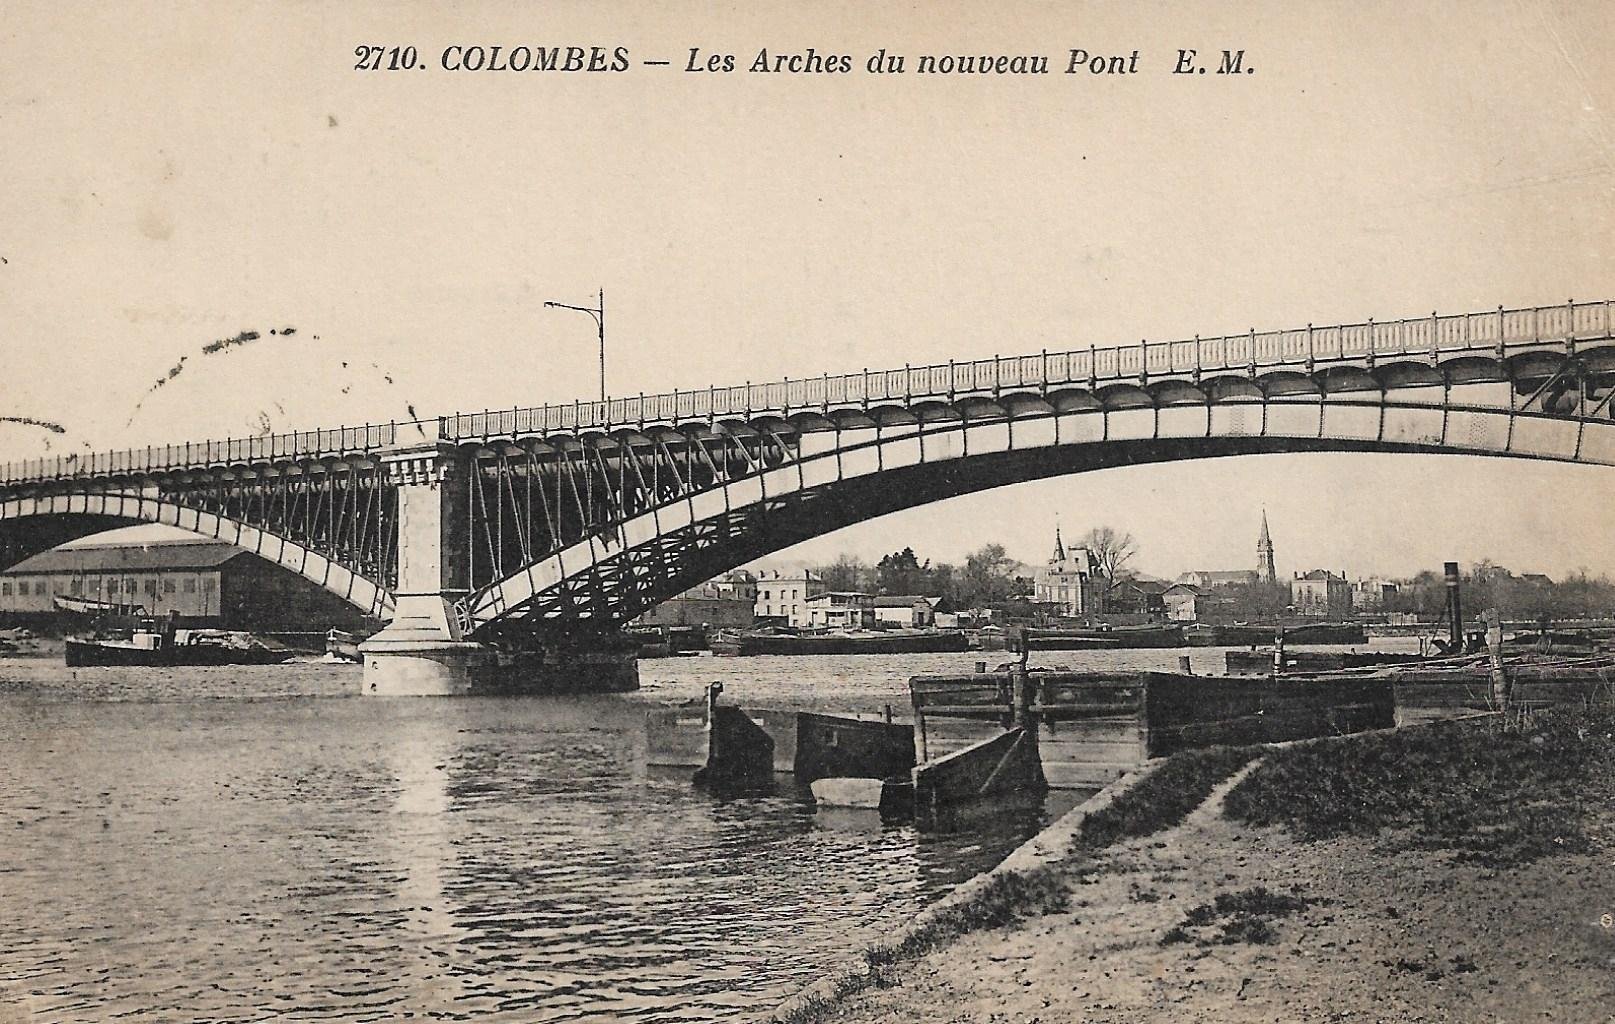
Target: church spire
[1059,546]
[1265,569]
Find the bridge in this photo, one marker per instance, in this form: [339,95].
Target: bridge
[544,527]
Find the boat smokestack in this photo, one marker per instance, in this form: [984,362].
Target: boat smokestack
[1455,608]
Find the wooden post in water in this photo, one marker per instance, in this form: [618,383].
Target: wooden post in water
[1501,690]
[713,689]
[919,725]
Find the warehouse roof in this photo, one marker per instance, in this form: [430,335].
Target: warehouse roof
[127,558]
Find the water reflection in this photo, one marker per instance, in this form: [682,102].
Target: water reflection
[363,860]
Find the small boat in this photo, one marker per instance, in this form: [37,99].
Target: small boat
[91,606]
[161,646]
[343,645]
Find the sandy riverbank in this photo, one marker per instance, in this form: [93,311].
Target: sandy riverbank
[1350,928]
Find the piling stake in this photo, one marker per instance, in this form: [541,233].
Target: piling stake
[1501,688]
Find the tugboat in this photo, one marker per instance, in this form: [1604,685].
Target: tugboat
[161,644]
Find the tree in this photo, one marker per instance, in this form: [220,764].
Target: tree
[988,577]
[844,574]
[901,573]
[1112,550]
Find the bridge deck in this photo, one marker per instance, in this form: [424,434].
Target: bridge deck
[1495,334]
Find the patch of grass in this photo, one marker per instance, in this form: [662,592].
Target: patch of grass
[1007,897]
[1498,797]
[1163,798]
[1236,917]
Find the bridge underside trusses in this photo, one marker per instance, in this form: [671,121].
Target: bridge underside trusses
[599,527]
[331,521]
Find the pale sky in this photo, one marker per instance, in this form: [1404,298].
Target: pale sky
[176,175]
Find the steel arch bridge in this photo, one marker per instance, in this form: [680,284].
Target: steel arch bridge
[545,521]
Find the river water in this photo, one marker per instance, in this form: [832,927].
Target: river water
[238,844]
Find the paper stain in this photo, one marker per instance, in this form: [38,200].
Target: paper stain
[156,225]
[29,421]
[211,348]
[245,337]
[263,423]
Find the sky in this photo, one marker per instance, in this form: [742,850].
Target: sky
[183,175]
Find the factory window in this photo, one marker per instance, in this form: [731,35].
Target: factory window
[168,586]
[190,584]
[39,586]
[5,590]
[76,586]
[129,585]
[207,583]
[151,586]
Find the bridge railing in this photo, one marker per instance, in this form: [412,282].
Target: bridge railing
[1494,332]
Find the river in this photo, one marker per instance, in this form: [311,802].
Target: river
[238,844]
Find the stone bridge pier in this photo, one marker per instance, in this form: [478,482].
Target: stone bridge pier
[423,650]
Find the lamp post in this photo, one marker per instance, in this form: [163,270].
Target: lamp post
[599,314]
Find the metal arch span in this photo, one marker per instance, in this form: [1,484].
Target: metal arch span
[101,510]
[691,500]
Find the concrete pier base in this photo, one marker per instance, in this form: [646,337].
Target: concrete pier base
[464,668]
[422,654]
[448,669]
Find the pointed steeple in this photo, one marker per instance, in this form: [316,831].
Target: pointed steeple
[1266,570]
[1059,546]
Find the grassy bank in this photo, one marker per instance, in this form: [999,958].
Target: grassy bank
[1158,801]
[1500,795]
[1446,873]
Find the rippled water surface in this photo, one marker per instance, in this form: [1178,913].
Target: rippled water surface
[237,844]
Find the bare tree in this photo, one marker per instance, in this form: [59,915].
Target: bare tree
[1112,550]
[846,573]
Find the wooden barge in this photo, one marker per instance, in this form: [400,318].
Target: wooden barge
[1455,686]
[918,641]
[1115,638]
[1094,726]
[1265,661]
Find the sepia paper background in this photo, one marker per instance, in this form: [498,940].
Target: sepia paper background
[178,174]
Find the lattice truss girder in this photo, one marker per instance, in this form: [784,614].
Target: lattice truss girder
[346,511]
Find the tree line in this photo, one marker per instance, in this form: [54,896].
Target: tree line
[1520,598]
[989,577]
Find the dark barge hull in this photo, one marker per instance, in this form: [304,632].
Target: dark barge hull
[1123,638]
[88,653]
[925,643]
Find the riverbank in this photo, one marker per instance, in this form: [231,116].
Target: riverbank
[1432,875]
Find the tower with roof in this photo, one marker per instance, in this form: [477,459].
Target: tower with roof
[1265,568]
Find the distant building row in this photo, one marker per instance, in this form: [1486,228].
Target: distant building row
[798,599]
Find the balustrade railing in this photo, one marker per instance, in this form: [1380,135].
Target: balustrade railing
[1493,331]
